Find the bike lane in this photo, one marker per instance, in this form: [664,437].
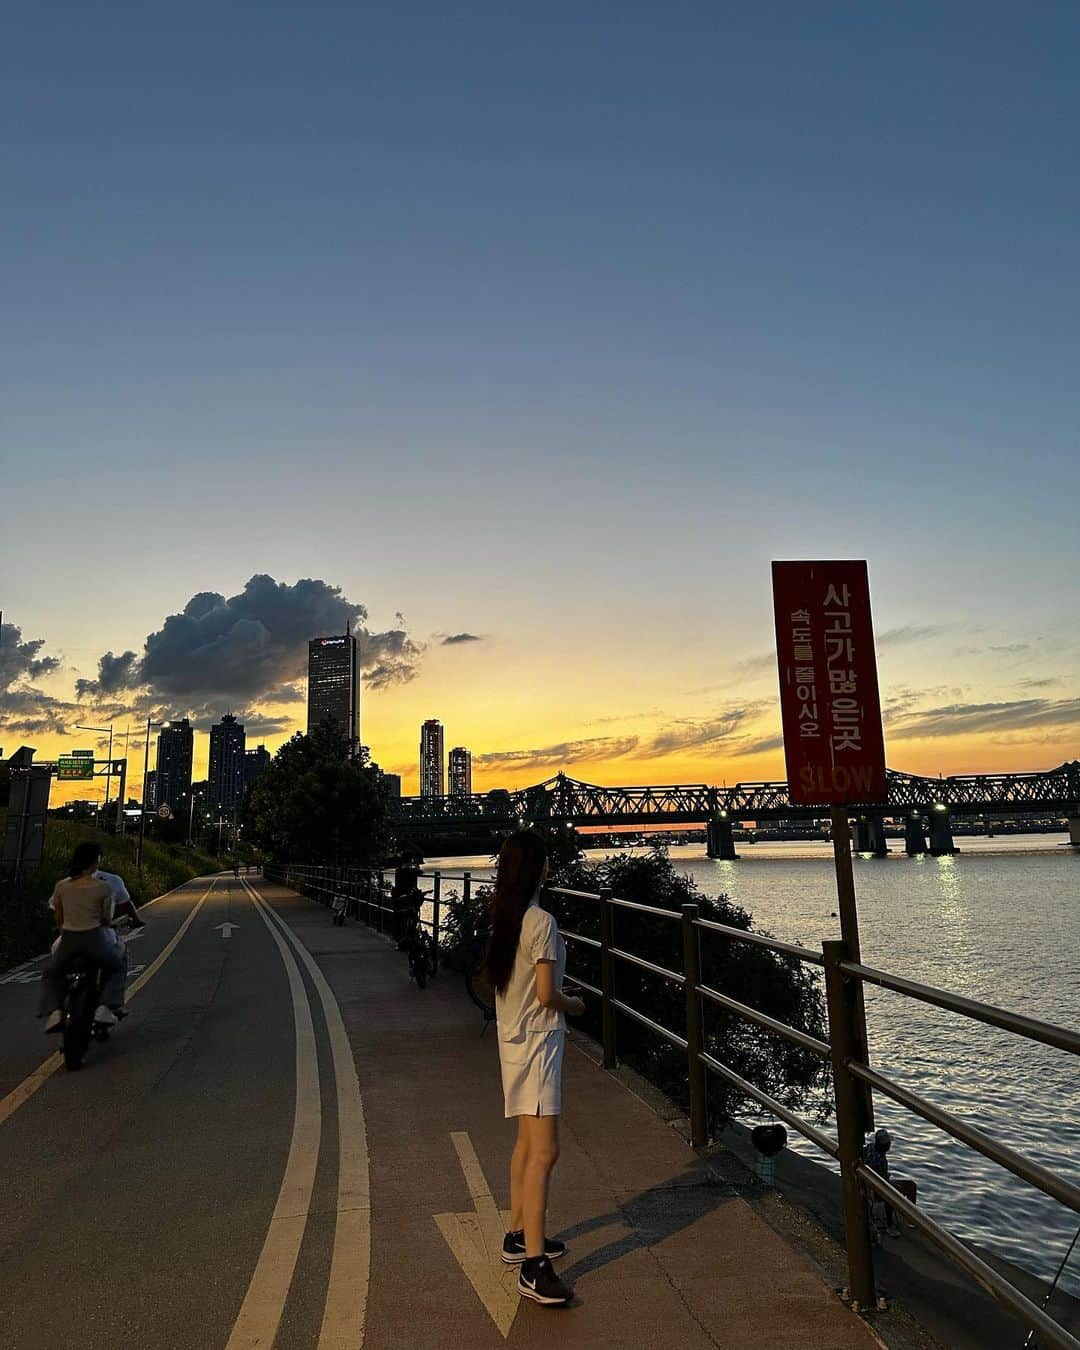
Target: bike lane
[138,1192]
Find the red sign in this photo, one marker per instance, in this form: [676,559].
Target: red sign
[829,699]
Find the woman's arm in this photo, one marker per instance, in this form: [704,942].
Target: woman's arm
[550,997]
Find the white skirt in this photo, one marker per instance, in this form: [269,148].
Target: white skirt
[532,1074]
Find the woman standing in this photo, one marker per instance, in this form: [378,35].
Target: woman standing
[526,963]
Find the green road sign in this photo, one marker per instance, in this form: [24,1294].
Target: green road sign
[75,767]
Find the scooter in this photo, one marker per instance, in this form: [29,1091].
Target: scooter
[79,1025]
[338,906]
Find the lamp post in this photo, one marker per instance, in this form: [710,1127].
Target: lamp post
[108,772]
[145,772]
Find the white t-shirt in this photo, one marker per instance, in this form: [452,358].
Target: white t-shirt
[118,892]
[517,1009]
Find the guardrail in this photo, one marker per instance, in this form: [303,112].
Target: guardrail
[854,1080]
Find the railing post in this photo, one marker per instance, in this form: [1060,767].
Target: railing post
[844,1028]
[436,904]
[379,905]
[466,890]
[699,1120]
[607,976]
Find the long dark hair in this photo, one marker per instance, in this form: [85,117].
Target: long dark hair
[85,856]
[521,867]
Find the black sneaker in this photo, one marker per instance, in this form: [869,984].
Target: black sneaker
[537,1280]
[513,1252]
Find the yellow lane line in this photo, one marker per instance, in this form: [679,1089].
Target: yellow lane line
[41,1075]
[260,1313]
[345,1311]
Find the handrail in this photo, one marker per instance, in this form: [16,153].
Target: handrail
[1029,1313]
[809,1131]
[760,940]
[1030,1027]
[671,1036]
[574,895]
[1027,1170]
[633,960]
[579,937]
[647,909]
[811,1043]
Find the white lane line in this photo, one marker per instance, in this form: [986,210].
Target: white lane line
[345,1312]
[41,1075]
[260,1313]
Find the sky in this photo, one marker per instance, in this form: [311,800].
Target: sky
[545,329]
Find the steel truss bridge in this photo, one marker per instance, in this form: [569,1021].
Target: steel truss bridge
[566,801]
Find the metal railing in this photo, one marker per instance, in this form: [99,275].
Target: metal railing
[853,1078]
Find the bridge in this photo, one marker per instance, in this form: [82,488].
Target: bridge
[927,805]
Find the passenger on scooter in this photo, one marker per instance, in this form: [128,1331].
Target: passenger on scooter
[83,910]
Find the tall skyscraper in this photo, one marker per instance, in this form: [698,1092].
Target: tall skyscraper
[460,772]
[432,780]
[334,685]
[175,750]
[227,745]
[256,761]
[150,789]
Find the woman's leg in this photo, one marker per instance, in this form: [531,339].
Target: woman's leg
[517,1177]
[542,1136]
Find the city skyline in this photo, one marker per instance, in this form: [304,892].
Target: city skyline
[561,388]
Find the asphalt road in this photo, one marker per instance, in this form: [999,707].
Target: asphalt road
[212,1178]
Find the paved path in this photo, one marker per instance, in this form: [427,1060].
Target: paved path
[287,1143]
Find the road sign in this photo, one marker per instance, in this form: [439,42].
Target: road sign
[829,699]
[165,811]
[75,767]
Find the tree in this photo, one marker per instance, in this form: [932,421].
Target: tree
[314,804]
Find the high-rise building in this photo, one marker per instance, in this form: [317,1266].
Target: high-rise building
[393,785]
[175,751]
[227,745]
[460,772]
[256,761]
[334,685]
[150,790]
[432,779]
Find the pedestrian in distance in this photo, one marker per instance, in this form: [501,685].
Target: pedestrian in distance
[83,909]
[526,962]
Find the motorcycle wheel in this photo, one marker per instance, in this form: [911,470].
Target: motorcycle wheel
[78,1028]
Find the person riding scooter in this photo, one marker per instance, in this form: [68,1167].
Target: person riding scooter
[83,910]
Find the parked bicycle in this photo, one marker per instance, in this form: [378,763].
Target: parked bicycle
[477,984]
[420,945]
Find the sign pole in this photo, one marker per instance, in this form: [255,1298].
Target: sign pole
[142,813]
[849,933]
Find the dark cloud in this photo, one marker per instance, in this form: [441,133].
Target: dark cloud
[25,709]
[250,647]
[456,639]
[761,747]
[959,719]
[20,660]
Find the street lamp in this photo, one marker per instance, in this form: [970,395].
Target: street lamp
[145,773]
[108,772]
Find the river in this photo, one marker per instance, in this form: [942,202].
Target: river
[999,922]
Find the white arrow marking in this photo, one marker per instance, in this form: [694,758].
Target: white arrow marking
[476,1241]
[226,929]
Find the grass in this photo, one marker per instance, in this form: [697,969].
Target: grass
[26,926]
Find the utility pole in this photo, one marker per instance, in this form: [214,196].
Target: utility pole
[145,772]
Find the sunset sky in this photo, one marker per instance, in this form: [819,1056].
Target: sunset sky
[545,330]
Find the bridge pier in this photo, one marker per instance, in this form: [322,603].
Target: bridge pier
[868,835]
[720,838]
[1074,831]
[914,835]
[941,837]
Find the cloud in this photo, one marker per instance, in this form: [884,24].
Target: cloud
[563,755]
[761,747]
[20,660]
[250,647]
[960,719]
[909,633]
[457,639]
[687,733]
[23,707]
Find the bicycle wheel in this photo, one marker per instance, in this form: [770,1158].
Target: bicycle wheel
[478,987]
[418,967]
